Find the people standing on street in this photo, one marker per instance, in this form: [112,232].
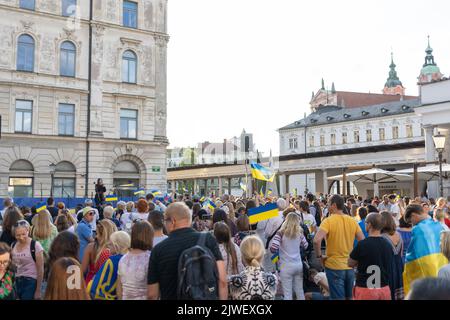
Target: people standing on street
[11,215]
[339,230]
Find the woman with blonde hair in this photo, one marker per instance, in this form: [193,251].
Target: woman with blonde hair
[231,211]
[253,283]
[97,252]
[287,243]
[63,283]
[43,230]
[444,272]
[104,284]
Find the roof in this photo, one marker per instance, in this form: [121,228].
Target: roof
[336,114]
[359,99]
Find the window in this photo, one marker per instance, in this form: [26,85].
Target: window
[24,111]
[368,135]
[409,131]
[356,136]
[311,141]
[382,133]
[293,143]
[129,67]
[67,59]
[394,132]
[20,187]
[128,124]
[333,138]
[322,140]
[64,188]
[69,7]
[344,137]
[130,14]
[66,118]
[27,4]
[25,53]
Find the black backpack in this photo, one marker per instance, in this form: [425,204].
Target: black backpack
[197,273]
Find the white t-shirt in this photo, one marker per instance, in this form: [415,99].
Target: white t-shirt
[322,277]
[71,229]
[139,216]
[125,221]
[308,220]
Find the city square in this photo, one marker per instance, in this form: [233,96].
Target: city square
[161,157]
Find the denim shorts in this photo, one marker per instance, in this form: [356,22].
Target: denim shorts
[25,288]
[340,283]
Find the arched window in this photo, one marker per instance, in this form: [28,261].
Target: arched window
[21,179]
[129,66]
[126,178]
[25,53]
[64,180]
[67,59]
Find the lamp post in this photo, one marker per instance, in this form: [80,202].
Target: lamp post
[52,167]
[439,143]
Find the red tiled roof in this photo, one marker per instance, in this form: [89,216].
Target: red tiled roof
[360,99]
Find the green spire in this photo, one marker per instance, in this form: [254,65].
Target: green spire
[429,59]
[333,89]
[393,79]
[323,85]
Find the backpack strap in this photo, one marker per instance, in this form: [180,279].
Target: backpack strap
[33,250]
[13,244]
[202,239]
[273,235]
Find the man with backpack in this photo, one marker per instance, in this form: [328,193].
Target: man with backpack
[187,265]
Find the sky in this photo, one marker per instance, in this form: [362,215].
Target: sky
[253,64]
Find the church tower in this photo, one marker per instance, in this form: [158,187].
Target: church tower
[393,85]
[430,71]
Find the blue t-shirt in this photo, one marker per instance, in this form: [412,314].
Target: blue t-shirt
[84,232]
[362,225]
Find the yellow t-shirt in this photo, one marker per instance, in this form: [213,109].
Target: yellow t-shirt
[341,230]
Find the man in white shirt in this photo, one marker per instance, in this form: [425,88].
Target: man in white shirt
[385,205]
[394,209]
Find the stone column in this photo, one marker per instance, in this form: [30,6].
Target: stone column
[195,186]
[229,186]
[220,187]
[161,87]
[430,154]
[97,80]
[287,183]
[174,186]
[282,184]
[325,181]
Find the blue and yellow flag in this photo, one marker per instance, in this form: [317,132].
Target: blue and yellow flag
[104,284]
[156,193]
[269,192]
[424,257]
[211,205]
[261,173]
[41,206]
[275,258]
[202,199]
[111,197]
[262,213]
[139,191]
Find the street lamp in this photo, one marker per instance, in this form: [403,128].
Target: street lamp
[52,167]
[439,143]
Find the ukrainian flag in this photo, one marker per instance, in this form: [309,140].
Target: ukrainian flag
[211,205]
[202,199]
[111,197]
[139,191]
[424,257]
[261,173]
[261,193]
[156,193]
[41,206]
[269,192]
[262,213]
[275,258]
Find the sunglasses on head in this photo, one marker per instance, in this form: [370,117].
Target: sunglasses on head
[21,223]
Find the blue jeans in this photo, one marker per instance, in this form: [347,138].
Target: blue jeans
[318,296]
[340,283]
[25,288]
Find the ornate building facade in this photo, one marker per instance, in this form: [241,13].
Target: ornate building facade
[82,96]
[348,131]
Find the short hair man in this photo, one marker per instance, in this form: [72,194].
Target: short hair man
[373,257]
[163,265]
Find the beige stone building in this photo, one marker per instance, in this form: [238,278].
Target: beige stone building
[82,96]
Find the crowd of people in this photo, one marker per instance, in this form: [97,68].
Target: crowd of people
[324,247]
